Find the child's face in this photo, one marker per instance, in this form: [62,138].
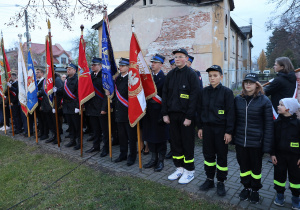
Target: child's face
[281,108]
[214,78]
[250,86]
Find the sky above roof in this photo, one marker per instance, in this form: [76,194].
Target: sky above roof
[258,10]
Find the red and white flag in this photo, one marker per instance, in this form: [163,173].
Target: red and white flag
[140,83]
[49,71]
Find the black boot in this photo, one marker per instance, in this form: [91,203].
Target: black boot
[53,138]
[77,146]
[160,164]
[71,143]
[152,162]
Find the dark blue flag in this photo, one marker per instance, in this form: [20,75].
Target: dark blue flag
[32,99]
[109,67]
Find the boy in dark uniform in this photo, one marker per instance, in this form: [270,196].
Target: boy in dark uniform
[155,132]
[215,124]
[127,134]
[71,105]
[96,110]
[179,100]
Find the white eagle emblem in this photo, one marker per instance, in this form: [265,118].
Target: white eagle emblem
[132,80]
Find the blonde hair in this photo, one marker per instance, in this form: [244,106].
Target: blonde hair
[259,90]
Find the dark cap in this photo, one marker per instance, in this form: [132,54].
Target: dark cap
[71,65]
[158,58]
[252,77]
[214,68]
[191,58]
[172,61]
[180,50]
[124,62]
[96,60]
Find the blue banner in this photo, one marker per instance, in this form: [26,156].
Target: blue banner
[32,99]
[109,67]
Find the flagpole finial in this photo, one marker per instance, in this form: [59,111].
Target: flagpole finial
[49,24]
[81,27]
[132,24]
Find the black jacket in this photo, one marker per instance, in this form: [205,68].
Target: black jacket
[70,104]
[283,86]
[215,108]
[254,123]
[121,111]
[287,135]
[159,80]
[40,92]
[95,105]
[200,78]
[180,92]
[14,93]
[59,84]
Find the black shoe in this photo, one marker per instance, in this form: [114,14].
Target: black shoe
[221,189]
[44,137]
[130,162]
[244,194]
[103,153]
[71,143]
[18,131]
[169,155]
[55,141]
[159,167]
[93,149]
[77,147]
[207,185]
[254,197]
[152,162]
[119,159]
[91,139]
[86,131]
[51,140]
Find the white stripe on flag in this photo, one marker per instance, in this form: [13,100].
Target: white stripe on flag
[142,100]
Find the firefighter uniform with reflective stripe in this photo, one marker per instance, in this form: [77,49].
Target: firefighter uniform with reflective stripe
[179,100]
[287,152]
[215,118]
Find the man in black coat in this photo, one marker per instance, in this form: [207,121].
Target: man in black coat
[127,134]
[96,109]
[71,105]
[42,120]
[15,106]
[155,131]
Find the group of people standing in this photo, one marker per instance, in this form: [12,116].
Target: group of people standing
[172,115]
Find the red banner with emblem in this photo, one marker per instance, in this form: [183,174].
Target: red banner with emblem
[140,83]
[85,84]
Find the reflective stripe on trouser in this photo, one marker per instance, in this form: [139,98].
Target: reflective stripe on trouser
[287,164]
[215,152]
[182,139]
[250,161]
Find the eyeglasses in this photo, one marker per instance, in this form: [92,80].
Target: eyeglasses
[249,83]
[179,57]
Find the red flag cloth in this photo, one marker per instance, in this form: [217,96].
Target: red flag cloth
[49,70]
[8,71]
[140,83]
[85,84]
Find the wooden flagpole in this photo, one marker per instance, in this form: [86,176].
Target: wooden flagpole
[36,133]
[11,117]
[28,129]
[53,78]
[109,128]
[4,117]
[139,145]
[81,131]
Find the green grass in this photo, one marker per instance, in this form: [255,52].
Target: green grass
[26,170]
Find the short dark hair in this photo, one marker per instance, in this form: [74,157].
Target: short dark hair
[42,70]
[14,74]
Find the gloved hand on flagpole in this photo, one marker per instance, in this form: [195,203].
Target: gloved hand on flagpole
[9,84]
[54,89]
[76,110]
[53,111]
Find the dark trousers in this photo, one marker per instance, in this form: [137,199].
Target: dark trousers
[250,161]
[15,109]
[44,124]
[24,120]
[214,147]
[159,148]
[50,121]
[182,141]
[287,163]
[74,125]
[100,126]
[127,134]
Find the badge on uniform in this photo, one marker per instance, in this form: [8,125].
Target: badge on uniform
[221,112]
[184,96]
[294,144]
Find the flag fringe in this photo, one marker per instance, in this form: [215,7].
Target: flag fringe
[86,99]
[137,120]
[33,108]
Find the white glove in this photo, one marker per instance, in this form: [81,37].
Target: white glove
[53,111]
[54,89]
[76,110]
[9,84]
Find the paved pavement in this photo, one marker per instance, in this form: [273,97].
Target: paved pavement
[233,186]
